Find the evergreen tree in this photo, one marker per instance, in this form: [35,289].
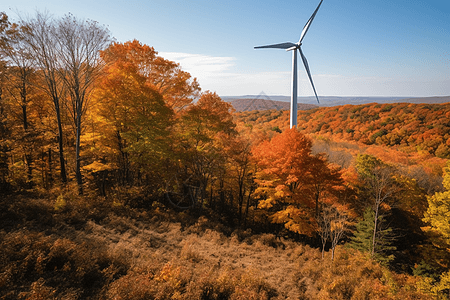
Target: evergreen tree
[363,237]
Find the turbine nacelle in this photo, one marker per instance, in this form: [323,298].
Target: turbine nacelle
[297,46]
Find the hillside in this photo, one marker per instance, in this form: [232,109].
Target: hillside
[429,100]
[337,101]
[411,127]
[87,249]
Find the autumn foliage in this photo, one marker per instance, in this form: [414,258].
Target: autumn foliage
[292,177]
[422,127]
[125,181]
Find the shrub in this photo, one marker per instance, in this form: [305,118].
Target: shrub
[174,281]
[351,276]
[34,264]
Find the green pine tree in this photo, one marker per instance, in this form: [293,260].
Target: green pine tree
[363,237]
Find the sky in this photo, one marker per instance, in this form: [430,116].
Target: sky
[354,47]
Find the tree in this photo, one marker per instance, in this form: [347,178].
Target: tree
[438,212]
[363,240]
[20,85]
[333,223]
[173,83]
[238,151]
[201,135]
[131,121]
[78,45]
[324,180]
[5,132]
[41,39]
[17,52]
[66,53]
[136,82]
[167,77]
[324,229]
[437,218]
[290,180]
[379,186]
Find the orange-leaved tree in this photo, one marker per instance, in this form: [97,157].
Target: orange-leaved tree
[130,120]
[292,182]
[175,85]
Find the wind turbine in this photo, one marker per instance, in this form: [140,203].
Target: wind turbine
[289,46]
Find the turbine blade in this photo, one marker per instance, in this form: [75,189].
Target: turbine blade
[305,29]
[277,46]
[305,63]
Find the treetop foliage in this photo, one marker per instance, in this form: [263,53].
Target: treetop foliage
[438,212]
[167,77]
[290,175]
[412,127]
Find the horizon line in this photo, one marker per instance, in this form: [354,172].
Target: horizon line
[346,96]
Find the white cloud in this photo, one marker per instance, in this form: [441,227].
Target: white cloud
[200,65]
[221,75]
[217,74]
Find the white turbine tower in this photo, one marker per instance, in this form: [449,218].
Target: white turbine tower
[289,46]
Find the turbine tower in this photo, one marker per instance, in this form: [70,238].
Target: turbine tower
[289,46]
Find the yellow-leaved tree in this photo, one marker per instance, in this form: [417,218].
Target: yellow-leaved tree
[130,120]
[438,212]
[203,129]
[438,218]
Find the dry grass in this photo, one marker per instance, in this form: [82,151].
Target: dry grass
[71,253]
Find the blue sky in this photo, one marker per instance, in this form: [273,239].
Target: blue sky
[354,47]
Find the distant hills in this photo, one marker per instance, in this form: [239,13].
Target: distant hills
[253,102]
[262,104]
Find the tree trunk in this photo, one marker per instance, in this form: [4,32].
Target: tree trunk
[374,230]
[240,200]
[25,120]
[60,145]
[77,156]
[23,95]
[332,253]
[246,208]
[49,168]
[103,187]
[317,203]
[29,161]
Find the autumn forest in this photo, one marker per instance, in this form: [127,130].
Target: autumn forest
[121,179]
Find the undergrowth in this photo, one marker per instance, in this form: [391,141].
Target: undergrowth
[68,247]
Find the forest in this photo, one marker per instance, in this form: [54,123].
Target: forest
[121,179]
